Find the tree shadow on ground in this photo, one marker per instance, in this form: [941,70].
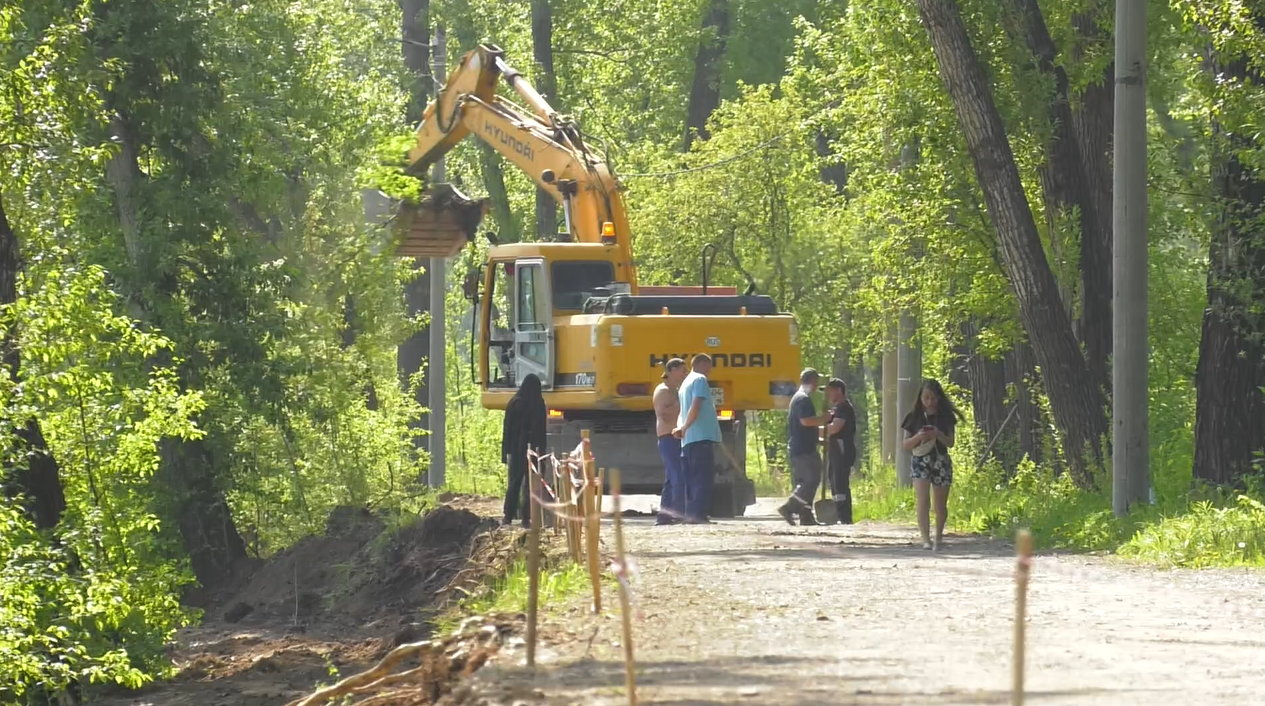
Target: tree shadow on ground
[843,549]
[760,681]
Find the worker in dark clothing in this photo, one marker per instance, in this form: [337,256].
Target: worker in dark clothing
[802,424]
[841,448]
[524,427]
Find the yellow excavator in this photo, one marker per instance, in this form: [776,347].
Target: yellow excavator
[576,316]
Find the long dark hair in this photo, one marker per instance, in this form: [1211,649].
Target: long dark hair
[944,404]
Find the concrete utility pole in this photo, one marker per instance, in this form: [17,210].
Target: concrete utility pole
[909,374]
[1130,452]
[438,290]
[891,417]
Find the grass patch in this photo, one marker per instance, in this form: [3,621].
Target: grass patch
[1206,535]
[508,593]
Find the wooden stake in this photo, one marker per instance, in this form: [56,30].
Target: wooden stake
[574,521]
[533,566]
[1023,568]
[579,515]
[558,496]
[591,522]
[625,603]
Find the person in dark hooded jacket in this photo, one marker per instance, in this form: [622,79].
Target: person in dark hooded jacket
[524,427]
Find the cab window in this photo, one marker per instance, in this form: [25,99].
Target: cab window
[575,282]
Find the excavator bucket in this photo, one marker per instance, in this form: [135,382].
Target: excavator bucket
[439,225]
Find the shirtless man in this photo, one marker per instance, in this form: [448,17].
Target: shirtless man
[667,410]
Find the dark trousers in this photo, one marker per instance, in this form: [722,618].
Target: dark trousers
[698,466]
[841,485]
[518,492]
[672,500]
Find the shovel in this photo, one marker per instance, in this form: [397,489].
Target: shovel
[824,509]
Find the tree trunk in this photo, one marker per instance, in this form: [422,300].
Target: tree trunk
[411,354]
[853,377]
[201,510]
[1022,376]
[1177,130]
[199,507]
[705,90]
[1063,185]
[547,84]
[908,386]
[960,357]
[874,426]
[492,168]
[961,353]
[37,482]
[834,174]
[415,40]
[1230,406]
[1093,128]
[491,164]
[891,410]
[1093,123]
[1074,399]
[988,385]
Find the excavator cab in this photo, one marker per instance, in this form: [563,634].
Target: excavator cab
[533,292]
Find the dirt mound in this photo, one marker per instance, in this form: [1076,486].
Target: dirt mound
[331,605]
[298,582]
[415,564]
[358,570]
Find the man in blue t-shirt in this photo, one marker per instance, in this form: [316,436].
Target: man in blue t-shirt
[699,432]
[801,450]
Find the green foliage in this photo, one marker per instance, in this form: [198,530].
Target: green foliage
[386,171]
[97,602]
[1206,535]
[474,463]
[59,629]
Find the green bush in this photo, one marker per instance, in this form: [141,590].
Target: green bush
[1206,535]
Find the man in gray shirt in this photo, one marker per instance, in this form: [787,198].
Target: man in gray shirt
[801,442]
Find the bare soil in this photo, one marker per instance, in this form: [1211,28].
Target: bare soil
[329,606]
[752,611]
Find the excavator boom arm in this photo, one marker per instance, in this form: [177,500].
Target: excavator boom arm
[549,149]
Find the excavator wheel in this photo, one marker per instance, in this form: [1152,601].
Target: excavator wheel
[732,499]
[723,501]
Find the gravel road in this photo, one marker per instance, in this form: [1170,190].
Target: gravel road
[752,611]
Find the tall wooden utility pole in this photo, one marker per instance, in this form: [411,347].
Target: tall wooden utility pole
[909,373]
[438,290]
[1130,457]
[891,411]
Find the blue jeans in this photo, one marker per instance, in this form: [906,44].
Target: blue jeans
[672,501]
[699,471]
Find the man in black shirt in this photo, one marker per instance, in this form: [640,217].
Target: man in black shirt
[802,453]
[841,448]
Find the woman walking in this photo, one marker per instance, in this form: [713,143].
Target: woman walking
[524,427]
[928,431]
